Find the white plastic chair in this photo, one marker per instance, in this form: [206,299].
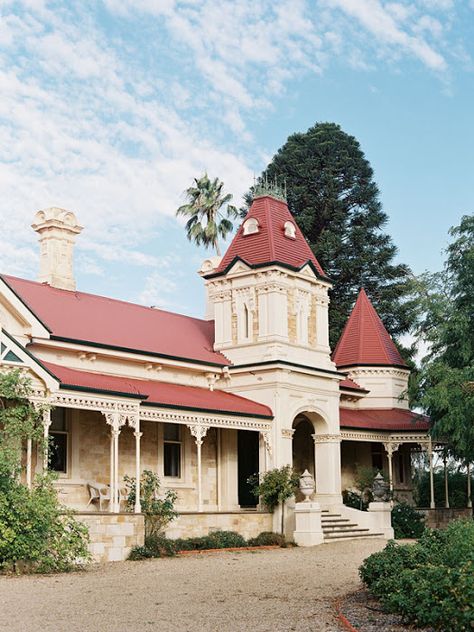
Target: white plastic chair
[98,492]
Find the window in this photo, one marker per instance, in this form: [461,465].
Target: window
[172,450]
[290,230]
[59,441]
[250,226]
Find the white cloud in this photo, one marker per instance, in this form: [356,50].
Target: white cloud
[113,116]
[386,26]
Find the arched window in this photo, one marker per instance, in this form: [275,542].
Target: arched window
[250,226]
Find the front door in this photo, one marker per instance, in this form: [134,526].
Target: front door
[248,457]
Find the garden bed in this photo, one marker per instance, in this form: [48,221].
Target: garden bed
[361,612]
[233,549]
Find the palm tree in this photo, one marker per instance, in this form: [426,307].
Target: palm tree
[207,220]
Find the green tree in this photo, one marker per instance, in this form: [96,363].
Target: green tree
[207,211]
[333,196]
[443,385]
[36,532]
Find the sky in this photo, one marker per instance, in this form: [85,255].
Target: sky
[110,108]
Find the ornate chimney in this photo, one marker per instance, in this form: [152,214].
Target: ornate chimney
[57,229]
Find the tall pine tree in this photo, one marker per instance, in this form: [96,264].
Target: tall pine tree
[333,197]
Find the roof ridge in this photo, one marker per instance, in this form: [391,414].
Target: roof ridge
[104,298]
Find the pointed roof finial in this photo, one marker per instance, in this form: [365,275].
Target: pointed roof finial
[265,187]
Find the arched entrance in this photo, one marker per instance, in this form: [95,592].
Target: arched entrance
[303,445]
[317,449]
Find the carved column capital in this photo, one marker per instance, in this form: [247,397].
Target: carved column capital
[287,433]
[390,448]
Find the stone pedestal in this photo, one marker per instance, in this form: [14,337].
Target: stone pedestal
[381,514]
[308,530]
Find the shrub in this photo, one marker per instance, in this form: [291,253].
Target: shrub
[275,487]
[36,532]
[354,499]
[407,522]
[155,546]
[430,583]
[159,512]
[268,538]
[215,540]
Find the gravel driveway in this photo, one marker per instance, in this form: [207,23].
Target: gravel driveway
[271,591]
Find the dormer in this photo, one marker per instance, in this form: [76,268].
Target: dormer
[290,230]
[250,226]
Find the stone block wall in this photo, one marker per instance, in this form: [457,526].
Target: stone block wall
[112,536]
[440,517]
[248,524]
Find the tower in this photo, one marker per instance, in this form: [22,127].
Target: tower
[268,295]
[368,354]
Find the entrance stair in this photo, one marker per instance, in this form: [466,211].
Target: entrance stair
[335,527]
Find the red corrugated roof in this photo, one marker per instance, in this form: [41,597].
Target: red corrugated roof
[110,322]
[160,393]
[365,341]
[383,419]
[270,244]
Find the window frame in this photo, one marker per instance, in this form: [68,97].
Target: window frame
[180,443]
[67,433]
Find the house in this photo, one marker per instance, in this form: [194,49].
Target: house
[206,403]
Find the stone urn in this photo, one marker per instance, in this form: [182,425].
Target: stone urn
[307,485]
[380,489]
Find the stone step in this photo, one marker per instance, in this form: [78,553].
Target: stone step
[349,536]
[350,525]
[348,530]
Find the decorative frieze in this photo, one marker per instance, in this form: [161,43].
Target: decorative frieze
[326,438]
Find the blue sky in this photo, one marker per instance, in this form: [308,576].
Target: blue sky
[110,108]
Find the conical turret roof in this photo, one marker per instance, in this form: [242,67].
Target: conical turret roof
[277,239]
[365,341]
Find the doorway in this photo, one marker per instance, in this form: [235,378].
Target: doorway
[248,444]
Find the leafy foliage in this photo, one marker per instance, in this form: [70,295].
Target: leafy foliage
[333,196]
[407,522]
[457,488]
[430,583]
[354,499]
[36,532]
[159,511]
[215,540]
[160,546]
[444,387]
[275,486]
[155,546]
[268,538]
[206,221]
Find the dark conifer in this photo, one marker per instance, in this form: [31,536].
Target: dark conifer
[332,194]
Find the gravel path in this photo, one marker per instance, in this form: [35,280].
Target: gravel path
[264,591]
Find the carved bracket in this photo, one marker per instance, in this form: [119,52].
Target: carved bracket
[198,432]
